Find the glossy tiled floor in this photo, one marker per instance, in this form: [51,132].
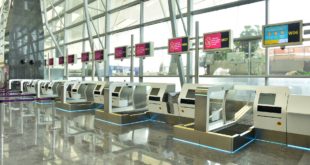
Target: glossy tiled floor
[145,143]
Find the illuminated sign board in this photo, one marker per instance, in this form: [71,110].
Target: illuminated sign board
[178,45]
[71,59]
[283,34]
[61,60]
[51,61]
[85,57]
[99,55]
[144,49]
[121,52]
[217,41]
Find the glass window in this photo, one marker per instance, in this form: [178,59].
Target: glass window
[72,3]
[155,9]
[96,8]
[75,16]
[75,33]
[125,18]
[298,86]
[293,60]
[115,4]
[157,65]
[247,56]
[159,34]
[200,4]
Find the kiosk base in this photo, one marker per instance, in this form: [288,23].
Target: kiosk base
[229,139]
[121,119]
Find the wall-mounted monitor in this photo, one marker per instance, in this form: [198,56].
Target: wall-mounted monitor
[121,52]
[178,45]
[99,55]
[283,34]
[85,57]
[144,49]
[61,60]
[71,59]
[51,61]
[217,41]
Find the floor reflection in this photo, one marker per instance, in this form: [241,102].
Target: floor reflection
[78,142]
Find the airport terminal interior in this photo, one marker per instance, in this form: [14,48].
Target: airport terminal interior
[154,82]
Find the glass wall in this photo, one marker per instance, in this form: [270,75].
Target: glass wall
[246,59]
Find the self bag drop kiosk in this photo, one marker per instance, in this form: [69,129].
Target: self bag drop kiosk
[217,119]
[163,103]
[281,117]
[124,103]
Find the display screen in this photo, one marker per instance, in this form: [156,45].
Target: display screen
[267,98]
[85,57]
[71,59]
[178,45]
[61,60]
[117,89]
[99,55]
[282,34]
[120,52]
[51,61]
[154,91]
[190,94]
[98,87]
[144,49]
[216,41]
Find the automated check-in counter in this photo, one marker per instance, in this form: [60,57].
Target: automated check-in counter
[19,84]
[42,87]
[122,96]
[212,125]
[54,87]
[298,121]
[76,97]
[32,87]
[270,109]
[124,103]
[76,90]
[47,88]
[186,100]
[99,93]
[157,99]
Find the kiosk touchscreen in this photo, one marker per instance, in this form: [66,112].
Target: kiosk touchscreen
[99,93]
